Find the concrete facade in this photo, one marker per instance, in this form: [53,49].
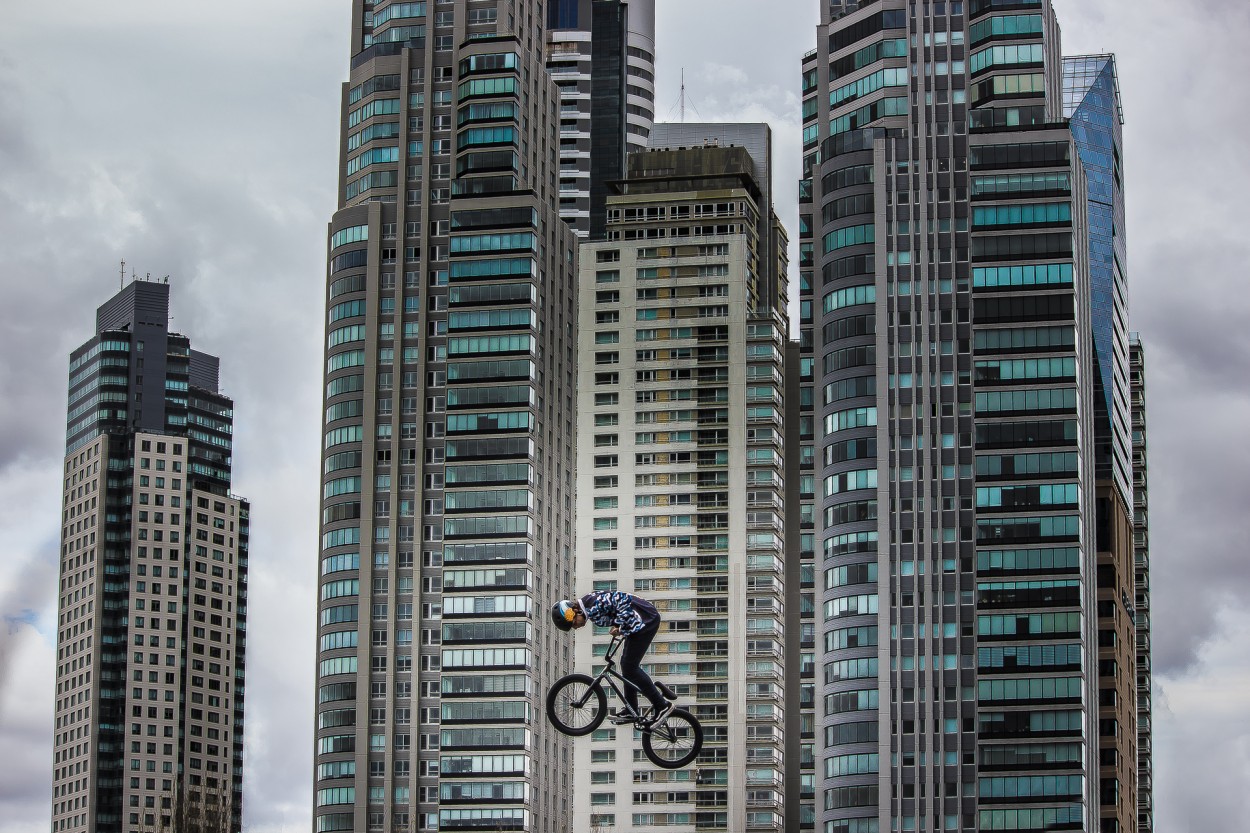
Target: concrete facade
[681,482]
[1117,665]
[153,584]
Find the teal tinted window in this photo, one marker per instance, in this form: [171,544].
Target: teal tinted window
[867,114]
[482,319]
[374,156]
[489,344]
[1011,55]
[1049,274]
[1045,399]
[522,241]
[1025,369]
[1006,26]
[1050,182]
[382,130]
[377,107]
[1022,215]
[487,136]
[486,86]
[397,11]
[348,309]
[849,236]
[1034,494]
[354,234]
[397,34]
[882,78]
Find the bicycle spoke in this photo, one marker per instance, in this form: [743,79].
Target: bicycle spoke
[572,706]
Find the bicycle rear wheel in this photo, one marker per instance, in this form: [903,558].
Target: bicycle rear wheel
[575,706]
[675,742]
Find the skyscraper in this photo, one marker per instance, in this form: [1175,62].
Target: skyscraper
[447,485]
[681,472]
[946,310]
[153,583]
[1141,576]
[1091,102]
[1091,95]
[601,54]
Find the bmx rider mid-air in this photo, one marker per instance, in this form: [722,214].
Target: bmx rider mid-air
[636,621]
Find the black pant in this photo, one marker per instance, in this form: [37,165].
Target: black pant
[636,645]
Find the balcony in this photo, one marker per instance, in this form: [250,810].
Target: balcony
[763,648]
[763,778]
[764,629]
[766,562]
[764,676]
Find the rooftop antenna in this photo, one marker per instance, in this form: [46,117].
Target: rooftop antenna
[681,101]
[683,95]
[121,280]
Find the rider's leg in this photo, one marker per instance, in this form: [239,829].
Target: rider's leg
[636,646]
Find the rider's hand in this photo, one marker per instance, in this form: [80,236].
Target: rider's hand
[616,631]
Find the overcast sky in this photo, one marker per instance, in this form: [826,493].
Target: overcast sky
[198,140]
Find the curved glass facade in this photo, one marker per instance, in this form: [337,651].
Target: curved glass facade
[449,292]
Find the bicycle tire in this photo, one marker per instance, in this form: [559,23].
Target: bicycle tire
[561,706]
[679,737]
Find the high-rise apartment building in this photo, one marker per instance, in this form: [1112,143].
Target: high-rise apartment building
[681,474]
[1141,582]
[152,597]
[601,54]
[949,325]
[447,485]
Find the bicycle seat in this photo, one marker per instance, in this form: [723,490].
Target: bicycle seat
[665,690]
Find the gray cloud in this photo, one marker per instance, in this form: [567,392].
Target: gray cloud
[200,142]
[26,721]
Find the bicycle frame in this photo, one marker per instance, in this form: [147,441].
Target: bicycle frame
[610,675]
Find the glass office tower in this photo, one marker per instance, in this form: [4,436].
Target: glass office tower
[447,485]
[1091,101]
[1092,104]
[946,315]
[152,620]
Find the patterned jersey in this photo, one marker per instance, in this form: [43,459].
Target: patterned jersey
[608,608]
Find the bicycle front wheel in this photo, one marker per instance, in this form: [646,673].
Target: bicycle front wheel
[675,742]
[575,705]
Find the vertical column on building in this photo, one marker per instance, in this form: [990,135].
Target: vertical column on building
[1141,583]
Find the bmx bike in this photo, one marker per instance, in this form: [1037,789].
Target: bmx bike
[577,704]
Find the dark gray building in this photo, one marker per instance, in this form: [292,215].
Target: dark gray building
[601,54]
[447,473]
[948,325]
[1141,578]
[152,598]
